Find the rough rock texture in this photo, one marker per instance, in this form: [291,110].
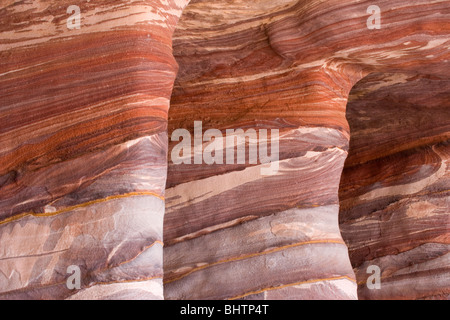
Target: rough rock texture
[83,149]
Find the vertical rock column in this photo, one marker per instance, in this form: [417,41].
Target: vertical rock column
[232,232]
[84,96]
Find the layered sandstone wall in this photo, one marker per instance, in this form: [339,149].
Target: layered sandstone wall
[231,232]
[394,191]
[85,149]
[83,142]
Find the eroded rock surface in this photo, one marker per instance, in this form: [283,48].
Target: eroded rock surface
[83,146]
[394,190]
[85,133]
[291,65]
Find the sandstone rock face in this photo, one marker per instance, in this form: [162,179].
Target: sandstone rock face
[232,233]
[88,178]
[394,189]
[83,144]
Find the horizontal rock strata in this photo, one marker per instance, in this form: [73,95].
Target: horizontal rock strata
[83,146]
[290,66]
[394,190]
[359,116]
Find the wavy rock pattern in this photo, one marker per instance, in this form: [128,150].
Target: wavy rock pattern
[291,65]
[83,149]
[394,191]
